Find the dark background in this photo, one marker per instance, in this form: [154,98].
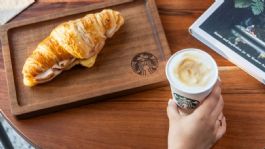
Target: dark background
[226,17]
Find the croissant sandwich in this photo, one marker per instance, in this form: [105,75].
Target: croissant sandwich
[71,43]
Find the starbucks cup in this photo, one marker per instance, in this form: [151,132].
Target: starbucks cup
[192,74]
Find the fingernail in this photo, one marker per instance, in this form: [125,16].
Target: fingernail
[169,101]
[219,79]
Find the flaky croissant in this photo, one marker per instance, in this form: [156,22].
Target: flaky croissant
[71,43]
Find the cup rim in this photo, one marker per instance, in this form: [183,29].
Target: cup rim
[189,91]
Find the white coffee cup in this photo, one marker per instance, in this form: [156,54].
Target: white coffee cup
[192,74]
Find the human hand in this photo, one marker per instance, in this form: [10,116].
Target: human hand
[202,128]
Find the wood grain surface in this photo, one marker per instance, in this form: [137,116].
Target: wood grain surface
[139,120]
[116,64]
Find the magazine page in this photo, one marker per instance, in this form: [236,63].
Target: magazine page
[241,27]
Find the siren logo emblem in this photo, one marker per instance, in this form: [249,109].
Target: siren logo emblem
[186,103]
[144,63]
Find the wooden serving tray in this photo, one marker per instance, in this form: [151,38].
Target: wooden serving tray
[132,60]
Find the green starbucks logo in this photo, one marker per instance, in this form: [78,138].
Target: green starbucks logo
[186,103]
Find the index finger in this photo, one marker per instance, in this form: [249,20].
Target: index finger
[209,103]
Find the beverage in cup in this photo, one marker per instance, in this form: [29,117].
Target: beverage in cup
[192,74]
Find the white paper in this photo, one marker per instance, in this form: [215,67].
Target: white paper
[10,8]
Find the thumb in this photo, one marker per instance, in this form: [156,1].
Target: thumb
[172,110]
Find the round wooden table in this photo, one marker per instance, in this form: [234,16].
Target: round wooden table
[139,120]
